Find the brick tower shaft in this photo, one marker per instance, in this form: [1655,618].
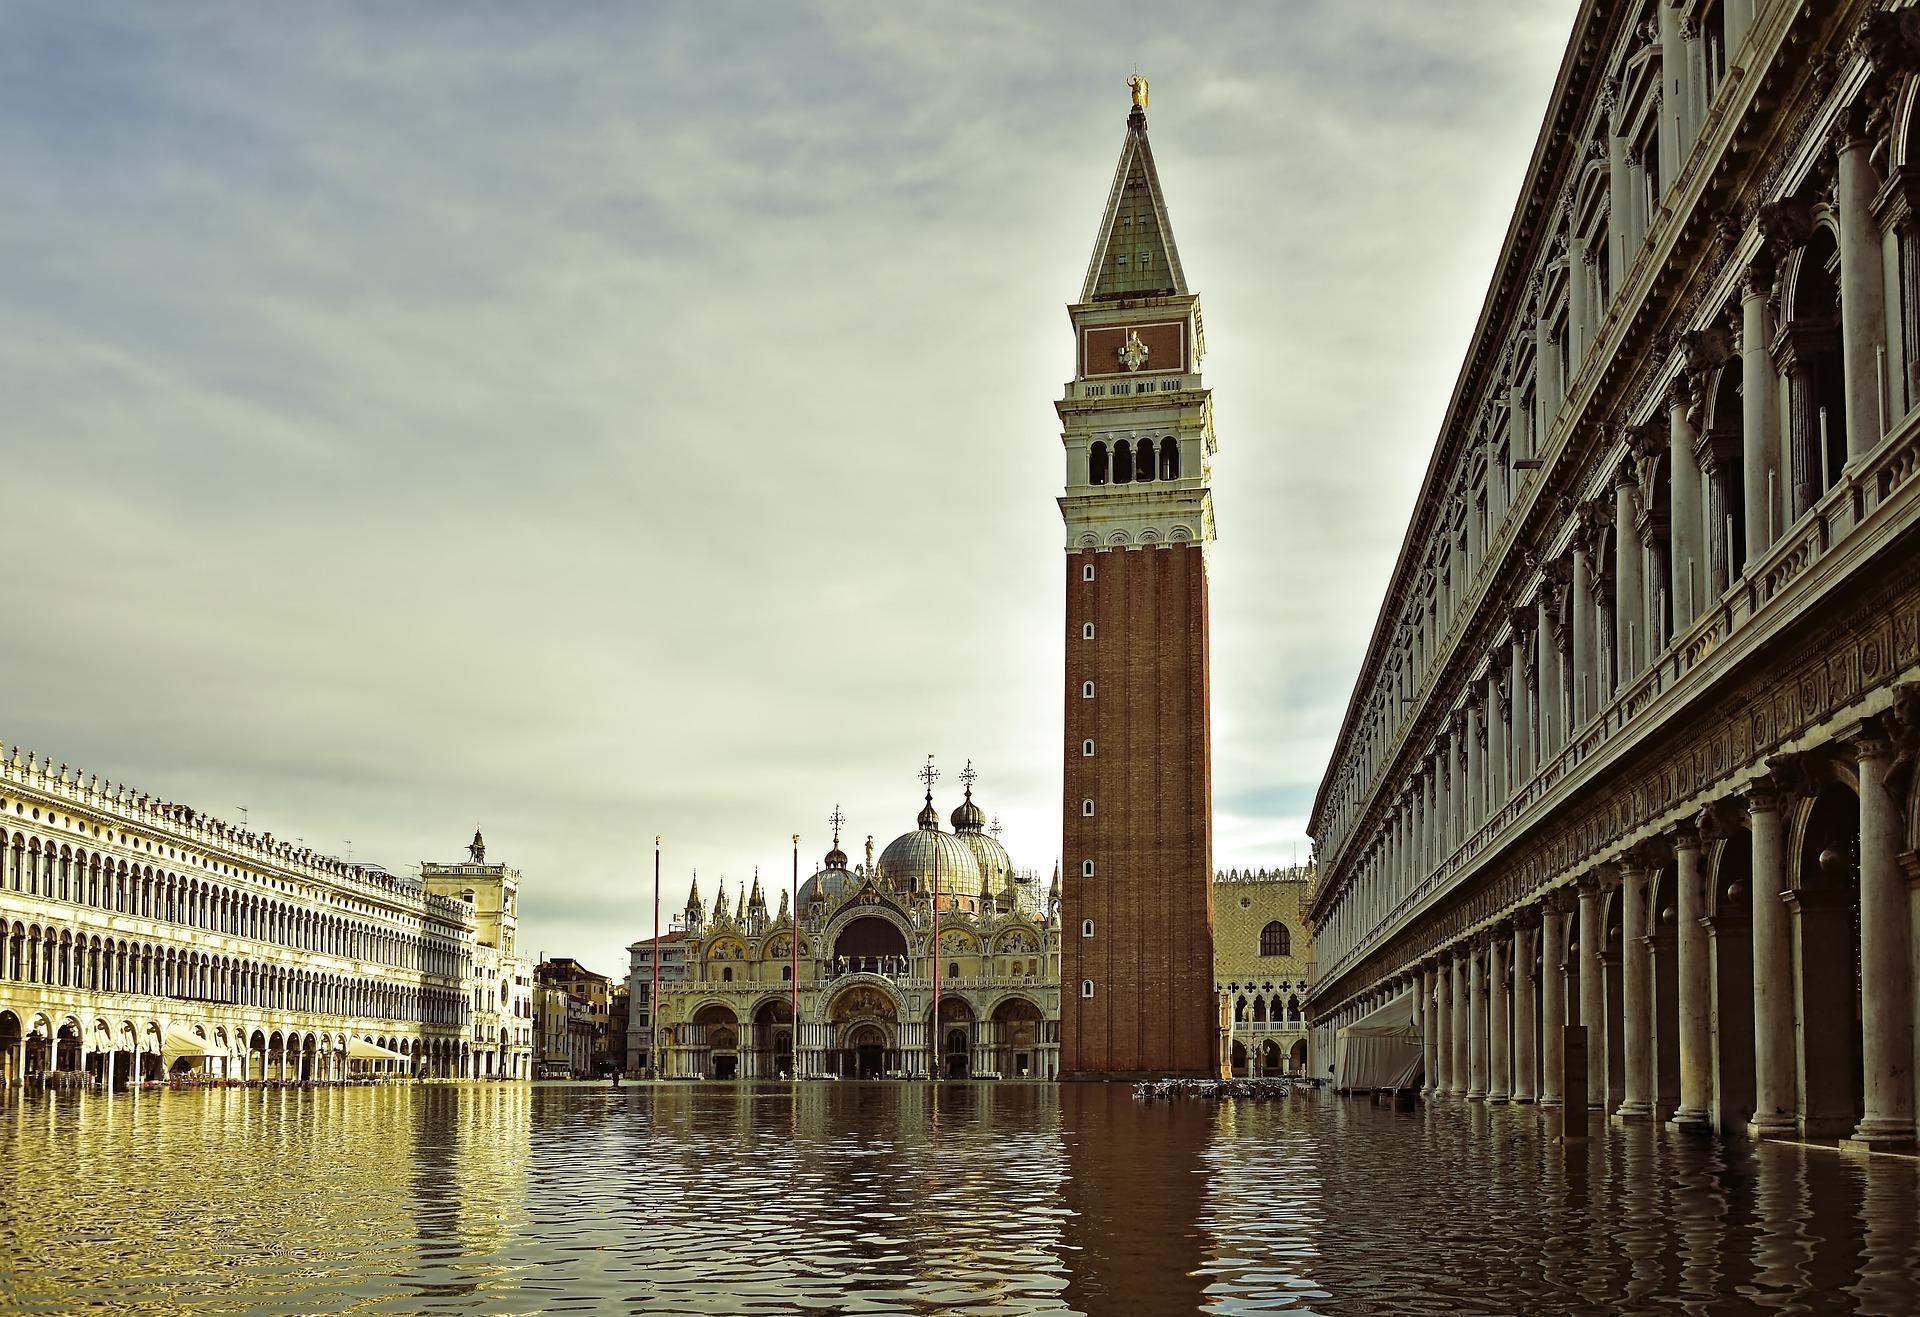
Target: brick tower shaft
[1137,808]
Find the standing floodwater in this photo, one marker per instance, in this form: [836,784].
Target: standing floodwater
[892,1197]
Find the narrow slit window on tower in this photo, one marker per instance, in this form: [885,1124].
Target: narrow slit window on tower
[1086,572]
[1086,868]
[1086,987]
[1086,809]
[1086,690]
[1086,749]
[1086,631]
[1086,928]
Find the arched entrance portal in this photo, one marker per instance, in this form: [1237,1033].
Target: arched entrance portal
[1016,1029]
[866,1026]
[955,1032]
[11,1036]
[772,1055]
[870,945]
[716,1033]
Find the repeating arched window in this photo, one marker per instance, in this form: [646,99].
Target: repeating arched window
[1097,463]
[1143,460]
[1122,462]
[1169,459]
[1259,1010]
[1276,940]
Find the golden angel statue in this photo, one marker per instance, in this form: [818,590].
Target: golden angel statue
[1138,86]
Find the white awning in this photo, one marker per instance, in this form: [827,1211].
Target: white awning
[359,1049]
[182,1041]
[1382,1050]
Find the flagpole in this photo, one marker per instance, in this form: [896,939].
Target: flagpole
[793,940]
[930,775]
[653,1004]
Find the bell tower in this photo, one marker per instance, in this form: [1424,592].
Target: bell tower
[1137,996]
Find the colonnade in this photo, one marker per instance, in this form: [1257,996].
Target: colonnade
[1752,968]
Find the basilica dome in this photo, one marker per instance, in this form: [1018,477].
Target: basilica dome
[909,863]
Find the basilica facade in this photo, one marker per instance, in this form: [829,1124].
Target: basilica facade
[938,957]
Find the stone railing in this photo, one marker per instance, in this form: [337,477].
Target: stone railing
[1874,500]
[1651,261]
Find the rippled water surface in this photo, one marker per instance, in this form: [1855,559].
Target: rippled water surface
[895,1198]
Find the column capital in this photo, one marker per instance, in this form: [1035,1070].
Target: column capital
[1791,777]
[1765,795]
[1597,881]
[1871,737]
[1650,856]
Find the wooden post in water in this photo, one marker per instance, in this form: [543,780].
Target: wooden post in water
[1573,1084]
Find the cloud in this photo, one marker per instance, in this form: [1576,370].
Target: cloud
[607,421]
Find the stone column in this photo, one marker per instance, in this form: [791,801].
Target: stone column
[1547,678]
[1440,1046]
[1694,989]
[1593,990]
[1522,687]
[1494,761]
[1586,665]
[1620,234]
[1687,511]
[1525,1026]
[1499,1020]
[1580,315]
[1429,1030]
[1629,591]
[1467,805]
[1546,373]
[1457,1066]
[1673,100]
[1476,1026]
[1886,983]
[1863,307]
[1759,413]
[1636,998]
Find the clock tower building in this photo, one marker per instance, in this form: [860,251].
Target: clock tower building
[1137,992]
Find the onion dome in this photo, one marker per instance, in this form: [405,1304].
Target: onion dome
[929,818]
[969,817]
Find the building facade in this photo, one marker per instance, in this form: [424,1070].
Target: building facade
[141,939]
[673,968]
[1137,800]
[1633,743]
[941,928]
[594,992]
[1263,968]
[500,1023]
[553,1056]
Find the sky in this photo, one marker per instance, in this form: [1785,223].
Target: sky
[599,421]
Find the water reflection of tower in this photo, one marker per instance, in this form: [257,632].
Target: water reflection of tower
[1135,1188]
